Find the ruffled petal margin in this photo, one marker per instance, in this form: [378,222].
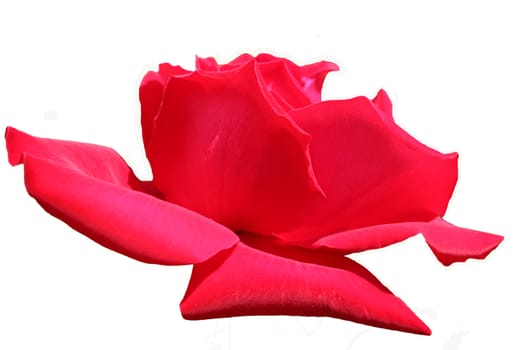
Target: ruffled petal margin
[91,188]
[258,278]
[310,78]
[297,86]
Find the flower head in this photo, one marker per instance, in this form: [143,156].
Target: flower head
[261,185]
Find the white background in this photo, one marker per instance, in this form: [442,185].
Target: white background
[454,69]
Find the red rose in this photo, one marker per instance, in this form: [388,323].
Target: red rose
[263,187]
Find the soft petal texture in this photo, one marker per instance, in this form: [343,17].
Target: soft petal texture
[384,103]
[311,77]
[448,242]
[280,82]
[151,92]
[294,86]
[221,149]
[257,278]
[209,64]
[370,171]
[92,189]
[249,147]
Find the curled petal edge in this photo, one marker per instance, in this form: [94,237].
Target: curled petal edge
[448,242]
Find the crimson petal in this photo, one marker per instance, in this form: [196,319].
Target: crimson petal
[151,92]
[91,188]
[309,78]
[206,64]
[256,278]
[220,148]
[280,81]
[312,77]
[209,64]
[448,242]
[303,83]
[383,102]
[371,171]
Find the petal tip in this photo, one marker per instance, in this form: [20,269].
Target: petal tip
[451,244]
[426,330]
[334,67]
[451,155]
[14,154]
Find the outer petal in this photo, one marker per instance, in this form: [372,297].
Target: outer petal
[151,92]
[256,278]
[371,171]
[221,149]
[91,188]
[448,242]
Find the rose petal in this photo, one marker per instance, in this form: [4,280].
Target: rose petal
[209,64]
[151,92]
[448,242]
[91,188]
[309,78]
[454,244]
[220,148]
[370,170]
[383,102]
[297,85]
[240,60]
[256,278]
[280,81]
[206,64]
[312,77]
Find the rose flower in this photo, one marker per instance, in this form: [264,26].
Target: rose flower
[263,187]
